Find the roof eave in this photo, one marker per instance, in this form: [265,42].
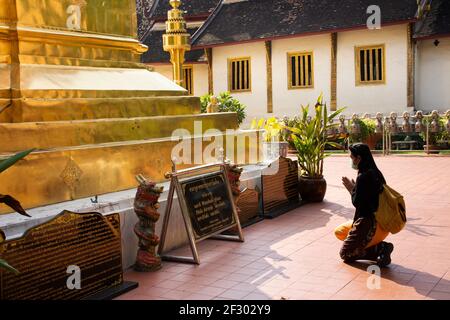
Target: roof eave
[188,18]
[304,34]
[433,36]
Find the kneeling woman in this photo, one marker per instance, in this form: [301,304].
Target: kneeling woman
[363,238]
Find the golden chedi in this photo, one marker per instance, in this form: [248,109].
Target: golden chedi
[176,40]
[72,86]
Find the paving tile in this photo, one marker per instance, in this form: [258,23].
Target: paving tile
[234,294]
[243,286]
[236,277]
[175,295]
[226,284]
[293,294]
[247,271]
[442,287]
[256,296]
[199,296]
[169,284]
[437,295]
[213,291]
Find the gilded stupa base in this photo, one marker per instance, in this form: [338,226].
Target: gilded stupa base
[68,173]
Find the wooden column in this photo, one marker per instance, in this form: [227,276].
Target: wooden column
[209,58]
[333,91]
[269,76]
[411,66]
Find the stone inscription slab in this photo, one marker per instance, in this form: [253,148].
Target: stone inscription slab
[43,255]
[248,204]
[280,189]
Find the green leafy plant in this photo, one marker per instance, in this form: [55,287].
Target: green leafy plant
[227,103]
[443,135]
[310,138]
[286,133]
[10,201]
[367,128]
[435,137]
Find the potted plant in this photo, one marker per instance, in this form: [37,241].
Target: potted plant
[432,145]
[11,202]
[443,137]
[372,138]
[273,145]
[367,133]
[310,139]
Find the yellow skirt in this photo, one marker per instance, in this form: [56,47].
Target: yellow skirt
[341,232]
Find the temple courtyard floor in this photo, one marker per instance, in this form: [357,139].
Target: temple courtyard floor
[296,256]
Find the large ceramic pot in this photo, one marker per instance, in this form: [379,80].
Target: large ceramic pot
[312,190]
[373,139]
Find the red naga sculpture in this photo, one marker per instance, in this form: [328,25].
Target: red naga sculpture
[234,175]
[146,208]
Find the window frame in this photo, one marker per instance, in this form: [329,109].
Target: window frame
[289,69]
[358,81]
[190,67]
[230,74]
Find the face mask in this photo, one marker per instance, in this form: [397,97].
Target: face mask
[354,166]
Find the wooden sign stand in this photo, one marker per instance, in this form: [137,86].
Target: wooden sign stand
[176,186]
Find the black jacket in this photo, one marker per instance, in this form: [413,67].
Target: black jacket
[366,193]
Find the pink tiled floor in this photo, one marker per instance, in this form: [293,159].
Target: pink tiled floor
[295,256]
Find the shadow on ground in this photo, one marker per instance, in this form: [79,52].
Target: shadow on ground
[422,282]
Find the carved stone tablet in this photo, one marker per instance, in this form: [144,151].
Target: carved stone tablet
[248,205]
[280,187]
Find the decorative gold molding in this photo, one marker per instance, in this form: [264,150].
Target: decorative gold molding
[77,39]
[358,81]
[268,45]
[71,175]
[333,90]
[300,77]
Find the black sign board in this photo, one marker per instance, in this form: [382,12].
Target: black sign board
[207,206]
[208,203]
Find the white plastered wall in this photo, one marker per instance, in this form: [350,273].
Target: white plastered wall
[256,99]
[288,101]
[391,96]
[433,75]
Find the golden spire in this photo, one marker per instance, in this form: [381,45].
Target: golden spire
[176,40]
